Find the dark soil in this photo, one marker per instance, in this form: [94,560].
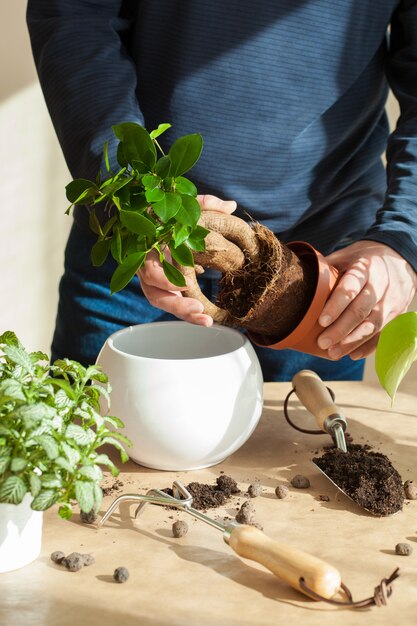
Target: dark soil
[367,477]
[210,496]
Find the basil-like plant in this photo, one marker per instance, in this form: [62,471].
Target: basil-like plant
[396,351]
[51,430]
[148,204]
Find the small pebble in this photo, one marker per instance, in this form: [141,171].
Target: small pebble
[58,556]
[300,482]
[255,490]
[120,574]
[88,518]
[410,490]
[324,498]
[404,549]
[246,513]
[281,491]
[179,528]
[73,562]
[88,559]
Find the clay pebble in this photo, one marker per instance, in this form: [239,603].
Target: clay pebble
[121,574]
[179,528]
[300,482]
[281,491]
[403,549]
[410,490]
[255,490]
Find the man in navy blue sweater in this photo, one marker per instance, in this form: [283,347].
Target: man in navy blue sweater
[290,99]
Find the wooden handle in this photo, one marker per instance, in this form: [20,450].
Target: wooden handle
[287,563]
[313,393]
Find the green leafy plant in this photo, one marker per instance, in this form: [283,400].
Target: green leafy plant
[148,204]
[396,351]
[51,430]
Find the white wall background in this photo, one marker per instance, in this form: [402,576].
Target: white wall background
[33,176]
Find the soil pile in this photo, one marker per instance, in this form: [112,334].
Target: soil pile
[367,477]
[210,496]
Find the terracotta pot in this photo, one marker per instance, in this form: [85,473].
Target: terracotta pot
[304,337]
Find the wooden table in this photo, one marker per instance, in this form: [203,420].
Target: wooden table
[198,580]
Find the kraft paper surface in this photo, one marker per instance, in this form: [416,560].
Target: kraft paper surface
[198,580]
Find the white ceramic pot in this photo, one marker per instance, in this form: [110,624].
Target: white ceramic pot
[189,396]
[20,534]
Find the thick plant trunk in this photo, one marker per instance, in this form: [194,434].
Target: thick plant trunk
[264,288]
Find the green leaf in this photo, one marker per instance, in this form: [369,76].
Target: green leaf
[94,223]
[84,494]
[185,186]
[184,153]
[19,356]
[196,239]
[50,446]
[182,255]
[139,167]
[168,207]
[163,166]
[149,181]
[117,444]
[396,351]
[18,464]
[126,271]
[138,202]
[158,131]
[93,472]
[35,484]
[154,195]
[11,389]
[190,211]
[114,421]
[45,499]
[100,251]
[120,156]
[9,338]
[65,511]
[173,275]
[81,189]
[66,386]
[12,490]
[98,496]
[180,233]
[106,155]
[116,245]
[137,143]
[83,437]
[138,224]
[5,459]
[61,462]
[71,453]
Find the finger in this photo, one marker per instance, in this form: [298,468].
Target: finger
[187,309]
[213,203]
[366,349]
[350,285]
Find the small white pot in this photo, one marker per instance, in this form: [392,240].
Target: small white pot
[20,534]
[189,396]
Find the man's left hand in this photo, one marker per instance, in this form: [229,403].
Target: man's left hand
[377,285]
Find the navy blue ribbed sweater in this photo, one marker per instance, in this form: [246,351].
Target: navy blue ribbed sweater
[288,95]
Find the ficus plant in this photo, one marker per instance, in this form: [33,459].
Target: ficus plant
[52,430]
[396,351]
[147,204]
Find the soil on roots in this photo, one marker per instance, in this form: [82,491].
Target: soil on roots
[271,293]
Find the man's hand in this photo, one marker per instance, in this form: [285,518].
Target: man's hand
[164,295]
[377,285]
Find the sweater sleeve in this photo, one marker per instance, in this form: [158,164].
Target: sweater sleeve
[396,223]
[87,77]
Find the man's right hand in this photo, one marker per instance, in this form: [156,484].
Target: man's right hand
[164,295]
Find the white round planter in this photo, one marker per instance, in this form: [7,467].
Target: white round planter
[189,396]
[20,534]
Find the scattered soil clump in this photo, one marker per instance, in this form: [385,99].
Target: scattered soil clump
[367,477]
[179,528]
[210,496]
[88,518]
[247,515]
[110,489]
[410,490]
[403,549]
[74,561]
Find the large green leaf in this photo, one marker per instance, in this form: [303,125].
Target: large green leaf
[168,207]
[182,255]
[138,224]
[81,189]
[99,252]
[126,271]
[396,351]
[190,211]
[45,499]
[184,153]
[137,143]
[12,490]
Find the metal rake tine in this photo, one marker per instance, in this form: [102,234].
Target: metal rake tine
[177,487]
[164,499]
